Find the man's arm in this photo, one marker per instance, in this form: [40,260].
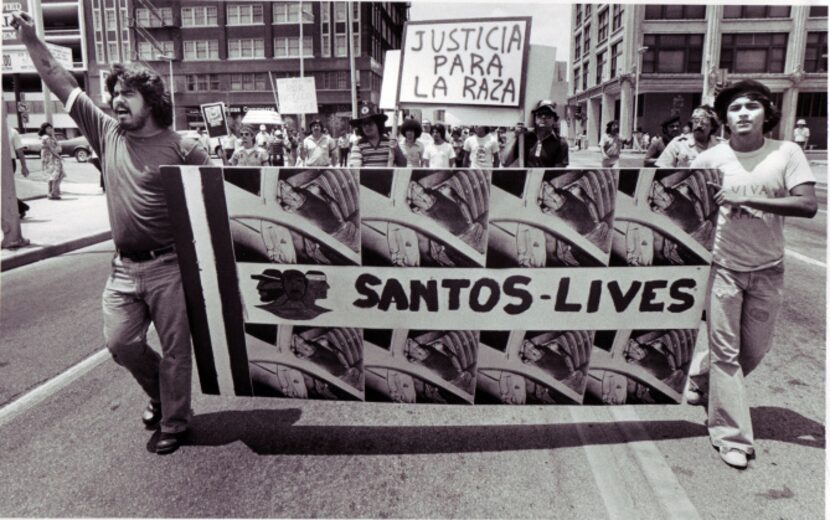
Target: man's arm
[57,78]
[801,201]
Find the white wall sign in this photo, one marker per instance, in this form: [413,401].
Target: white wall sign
[17,60]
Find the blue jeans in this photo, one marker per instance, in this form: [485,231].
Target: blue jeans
[136,294]
[742,310]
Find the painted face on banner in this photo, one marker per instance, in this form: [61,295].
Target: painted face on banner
[419,197]
[745,116]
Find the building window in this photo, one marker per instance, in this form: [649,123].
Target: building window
[586,39]
[577,46]
[600,66]
[96,19]
[576,80]
[616,54]
[818,11]
[110,19]
[199,16]
[202,82]
[616,17]
[812,104]
[815,57]
[584,75]
[289,12]
[244,14]
[602,26]
[587,12]
[578,15]
[756,11]
[160,18]
[146,51]
[339,11]
[289,47]
[201,50]
[112,48]
[325,44]
[753,52]
[246,48]
[341,49]
[673,53]
[99,53]
[675,12]
[251,81]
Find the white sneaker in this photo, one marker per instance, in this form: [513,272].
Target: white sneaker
[734,457]
[695,397]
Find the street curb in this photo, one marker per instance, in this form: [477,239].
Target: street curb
[34,197]
[42,253]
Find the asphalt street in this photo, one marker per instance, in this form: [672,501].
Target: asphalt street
[80,450]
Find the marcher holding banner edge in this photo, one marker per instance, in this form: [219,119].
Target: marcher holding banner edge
[764,180]
[145,285]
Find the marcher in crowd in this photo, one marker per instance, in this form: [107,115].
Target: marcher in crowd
[229,144]
[458,147]
[17,148]
[481,149]
[764,180]
[610,145]
[276,149]
[671,129]
[543,145]
[343,146]
[682,150]
[426,135]
[51,160]
[262,137]
[249,154]
[318,149]
[145,285]
[411,147]
[375,147]
[686,131]
[203,139]
[440,154]
[801,134]
[637,140]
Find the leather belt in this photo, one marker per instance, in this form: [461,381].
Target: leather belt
[143,256]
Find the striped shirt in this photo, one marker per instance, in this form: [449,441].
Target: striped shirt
[364,154]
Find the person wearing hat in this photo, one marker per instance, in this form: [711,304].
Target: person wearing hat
[764,180]
[671,129]
[318,149]
[375,147]
[801,134]
[543,145]
[412,148]
[262,137]
[249,154]
[681,151]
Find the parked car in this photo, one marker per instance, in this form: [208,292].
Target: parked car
[77,147]
[193,134]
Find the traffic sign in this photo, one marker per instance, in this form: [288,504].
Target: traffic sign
[22,107]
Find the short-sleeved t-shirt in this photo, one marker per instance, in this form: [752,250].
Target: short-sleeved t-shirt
[748,239]
[14,140]
[253,156]
[681,151]
[414,154]
[481,150]
[318,153]
[801,134]
[439,155]
[135,191]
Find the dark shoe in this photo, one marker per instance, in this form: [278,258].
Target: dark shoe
[151,416]
[170,442]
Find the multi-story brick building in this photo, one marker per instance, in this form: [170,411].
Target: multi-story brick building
[224,51]
[683,52]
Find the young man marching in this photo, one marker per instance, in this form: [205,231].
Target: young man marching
[145,285]
[764,180]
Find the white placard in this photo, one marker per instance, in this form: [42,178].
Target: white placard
[465,62]
[297,95]
[9,33]
[17,59]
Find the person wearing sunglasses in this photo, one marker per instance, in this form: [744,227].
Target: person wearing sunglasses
[249,154]
[683,149]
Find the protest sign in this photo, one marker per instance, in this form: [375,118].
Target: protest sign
[215,119]
[17,59]
[459,286]
[297,95]
[9,32]
[464,62]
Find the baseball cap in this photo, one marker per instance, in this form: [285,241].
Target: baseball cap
[801,122]
[545,104]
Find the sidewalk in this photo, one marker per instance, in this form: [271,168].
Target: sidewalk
[54,227]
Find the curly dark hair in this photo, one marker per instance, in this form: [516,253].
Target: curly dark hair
[609,125]
[149,84]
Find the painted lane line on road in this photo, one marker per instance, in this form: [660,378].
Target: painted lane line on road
[47,389]
[663,481]
[805,258]
[615,483]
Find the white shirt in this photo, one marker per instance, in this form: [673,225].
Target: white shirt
[481,150]
[439,155]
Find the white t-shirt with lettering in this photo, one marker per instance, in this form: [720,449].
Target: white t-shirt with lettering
[481,150]
[439,155]
[748,239]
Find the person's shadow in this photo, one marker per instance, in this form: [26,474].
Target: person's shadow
[272,432]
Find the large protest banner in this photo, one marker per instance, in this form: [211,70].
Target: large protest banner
[444,286]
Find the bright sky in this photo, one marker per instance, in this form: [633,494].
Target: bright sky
[551,23]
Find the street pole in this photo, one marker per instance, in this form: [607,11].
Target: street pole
[352,78]
[302,58]
[639,65]
[37,14]
[169,60]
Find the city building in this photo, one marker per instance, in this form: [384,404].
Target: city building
[231,51]
[672,57]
